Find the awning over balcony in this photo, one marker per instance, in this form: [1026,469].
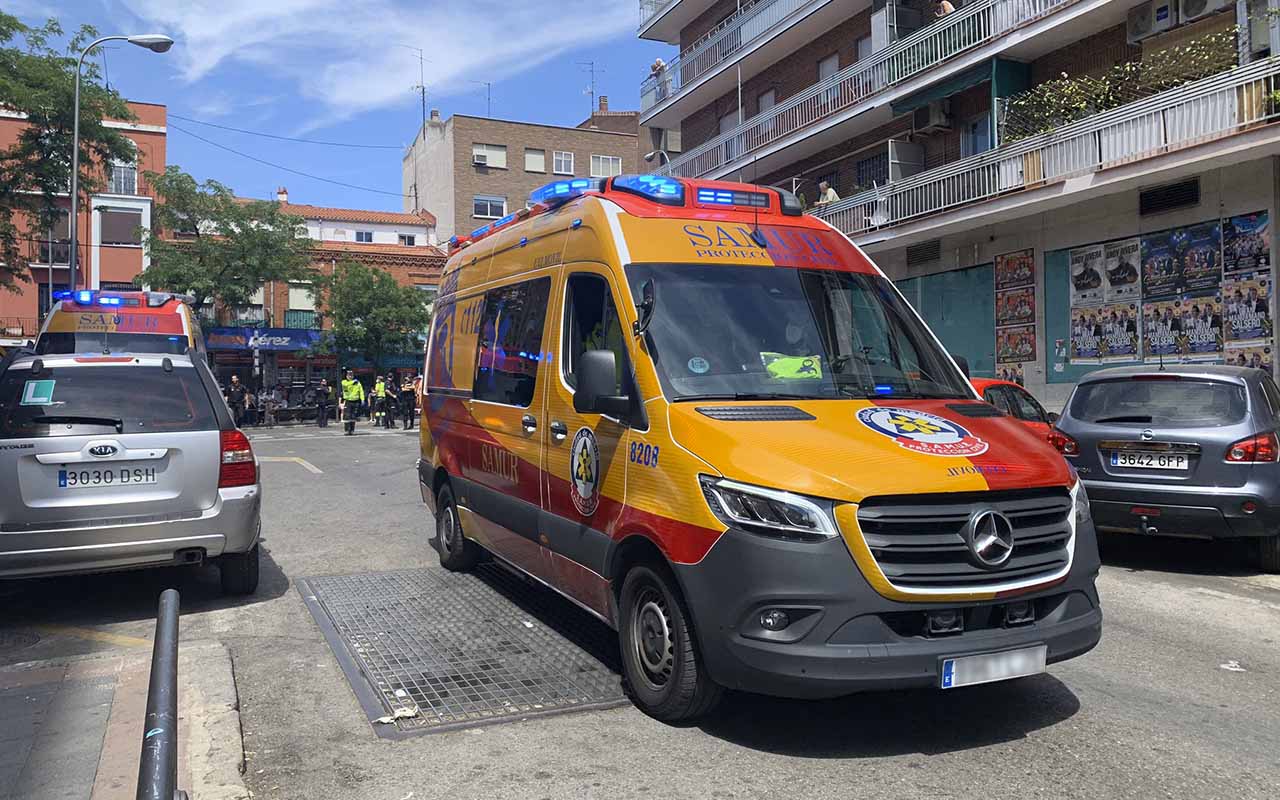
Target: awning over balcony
[943,89]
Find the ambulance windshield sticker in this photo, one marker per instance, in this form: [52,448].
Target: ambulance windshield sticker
[699,365]
[38,393]
[584,462]
[921,432]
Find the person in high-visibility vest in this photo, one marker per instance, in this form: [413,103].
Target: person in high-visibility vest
[350,400]
[379,402]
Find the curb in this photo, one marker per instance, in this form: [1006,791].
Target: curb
[210,710]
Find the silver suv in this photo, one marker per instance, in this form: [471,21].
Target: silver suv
[123,461]
[1189,450]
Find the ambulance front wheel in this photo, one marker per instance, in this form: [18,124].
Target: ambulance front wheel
[457,553]
[662,671]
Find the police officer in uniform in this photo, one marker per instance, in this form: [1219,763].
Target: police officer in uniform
[352,397]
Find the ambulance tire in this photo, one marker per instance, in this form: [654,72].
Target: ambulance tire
[457,553]
[662,672]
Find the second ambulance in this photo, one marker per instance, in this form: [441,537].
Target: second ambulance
[712,422]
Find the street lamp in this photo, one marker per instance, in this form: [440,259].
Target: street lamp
[156,43]
[661,155]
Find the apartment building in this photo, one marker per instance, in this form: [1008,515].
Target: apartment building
[271,339]
[1037,243]
[473,170]
[109,226]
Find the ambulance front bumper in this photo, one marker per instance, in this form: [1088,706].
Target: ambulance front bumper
[843,636]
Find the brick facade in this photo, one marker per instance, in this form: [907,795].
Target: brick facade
[1091,56]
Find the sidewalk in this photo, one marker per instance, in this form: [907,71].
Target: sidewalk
[73,728]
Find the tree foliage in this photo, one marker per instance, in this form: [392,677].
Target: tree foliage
[206,242]
[1067,99]
[372,315]
[39,81]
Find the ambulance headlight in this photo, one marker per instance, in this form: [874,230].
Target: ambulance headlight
[769,512]
[1081,500]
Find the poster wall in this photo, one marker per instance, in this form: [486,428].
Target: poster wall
[1183,328]
[1181,260]
[1087,264]
[1015,286]
[1246,243]
[1246,304]
[1123,262]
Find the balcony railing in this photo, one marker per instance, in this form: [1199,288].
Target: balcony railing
[1198,112]
[246,316]
[650,8]
[40,251]
[976,24]
[305,320]
[718,46]
[19,327]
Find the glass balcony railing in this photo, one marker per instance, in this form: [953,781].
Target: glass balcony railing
[305,320]
[650,8]
[978,23]
[1192,114]
[61,252]
[246,317]
[721,45]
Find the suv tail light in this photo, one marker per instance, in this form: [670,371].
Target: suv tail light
[1063,443]
[238,466]
[1263,447]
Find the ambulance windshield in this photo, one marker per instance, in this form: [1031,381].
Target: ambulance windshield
[745,333]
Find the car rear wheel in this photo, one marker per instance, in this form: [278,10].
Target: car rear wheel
[239,572]
[662,671]
[457,553]
[1266,554]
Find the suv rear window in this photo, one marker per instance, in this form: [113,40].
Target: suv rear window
[1162,403]
[92,400]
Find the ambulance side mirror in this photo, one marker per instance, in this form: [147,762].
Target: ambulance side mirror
[597,381]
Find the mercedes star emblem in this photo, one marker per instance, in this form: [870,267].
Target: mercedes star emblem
[989,536]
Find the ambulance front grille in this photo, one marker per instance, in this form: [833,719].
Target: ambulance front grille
[918,540]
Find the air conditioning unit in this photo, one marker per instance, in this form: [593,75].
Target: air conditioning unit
[934,117]
[480,159]
[1149,19]
[1189,10]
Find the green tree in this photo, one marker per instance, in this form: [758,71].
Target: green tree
[39,81]
[372,315]
[209,244]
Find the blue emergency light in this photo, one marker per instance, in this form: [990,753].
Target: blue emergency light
[87,297]
[728,197]
[84,298]
[665,190]
[558,192]
[481,231]
[884,388]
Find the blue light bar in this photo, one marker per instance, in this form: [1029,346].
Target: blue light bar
[655,187]
[84,298]
[63,295]
[558,192]
[482,230]
[504,220]
[727,197]
[884,388]
[108,301]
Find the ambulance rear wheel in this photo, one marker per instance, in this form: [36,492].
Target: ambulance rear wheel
[662,671]
[457,553]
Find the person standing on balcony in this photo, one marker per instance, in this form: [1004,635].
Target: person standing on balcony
[825,193]
[941,8]
[658,71]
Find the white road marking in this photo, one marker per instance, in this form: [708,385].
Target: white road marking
[305,464]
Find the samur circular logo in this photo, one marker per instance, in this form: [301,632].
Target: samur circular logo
[921,432]
[584,464]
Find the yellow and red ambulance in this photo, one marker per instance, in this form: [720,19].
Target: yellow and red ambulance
[88,321]
[712,422]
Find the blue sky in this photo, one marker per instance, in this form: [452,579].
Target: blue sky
[336,70]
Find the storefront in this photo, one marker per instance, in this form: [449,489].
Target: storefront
[269,357]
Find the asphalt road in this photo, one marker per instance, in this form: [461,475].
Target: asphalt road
[1181,699]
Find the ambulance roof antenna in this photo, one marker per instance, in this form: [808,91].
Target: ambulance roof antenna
[756,235]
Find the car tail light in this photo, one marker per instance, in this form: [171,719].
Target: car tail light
[1063,443]
[238,467]
[1263,447]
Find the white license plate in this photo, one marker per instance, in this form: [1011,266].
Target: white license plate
[1139,460]
[111,476]
[989,667]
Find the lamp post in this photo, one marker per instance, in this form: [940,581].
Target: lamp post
[156,43]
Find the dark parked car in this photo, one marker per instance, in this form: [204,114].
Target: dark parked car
[1185,451]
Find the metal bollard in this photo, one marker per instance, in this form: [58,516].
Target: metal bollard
[158,770]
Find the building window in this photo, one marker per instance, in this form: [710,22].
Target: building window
[301,297]
[42,300]
[429,293]
[766,100]
[864,48]
[562,163]
[124,177]
[364,236]
[121,226]
[535,160]
[489,155]
[975,135]
[488,207]
[605,166]
[408,239]
[54,243]
[872,171]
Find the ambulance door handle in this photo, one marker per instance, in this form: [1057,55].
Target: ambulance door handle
[559,431]
[528,423]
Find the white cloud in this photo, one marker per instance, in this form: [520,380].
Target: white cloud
[345,55]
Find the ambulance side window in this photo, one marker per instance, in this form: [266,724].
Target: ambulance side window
[510,343]
[591,323]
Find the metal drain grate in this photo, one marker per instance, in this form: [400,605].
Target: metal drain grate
[435,650]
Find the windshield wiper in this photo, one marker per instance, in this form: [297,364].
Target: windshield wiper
[1125,418]
[113,422]
[750,396]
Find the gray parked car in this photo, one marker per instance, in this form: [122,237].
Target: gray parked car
[1187,450]
[118,462]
